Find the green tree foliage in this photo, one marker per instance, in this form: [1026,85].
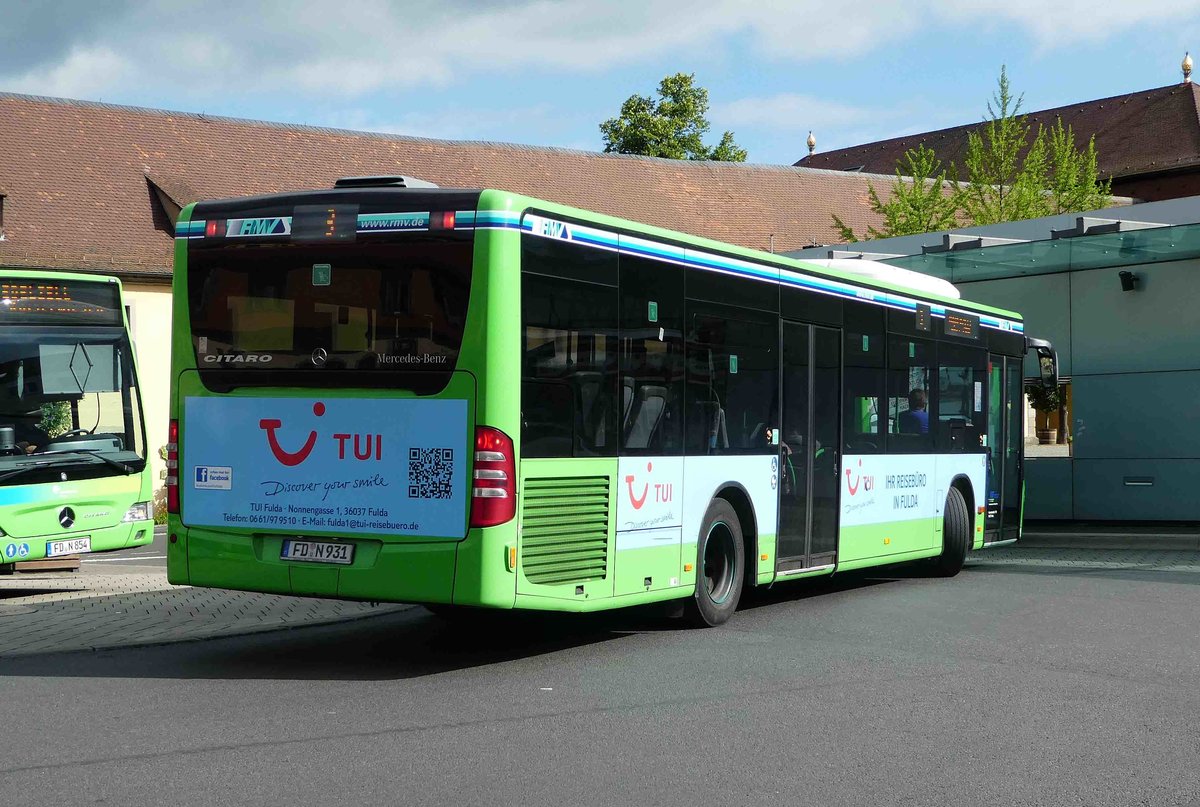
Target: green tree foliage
[1075,183]
[918,203]
[1005,173]
[672,126]
[56,418]
[1009,177]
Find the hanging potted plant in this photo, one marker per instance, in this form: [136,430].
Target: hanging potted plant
[1044,402]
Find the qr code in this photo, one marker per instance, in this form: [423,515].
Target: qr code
[429,473]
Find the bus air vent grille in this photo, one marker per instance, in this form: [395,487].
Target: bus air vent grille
[564,529]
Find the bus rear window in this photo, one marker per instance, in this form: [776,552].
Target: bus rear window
[313,309]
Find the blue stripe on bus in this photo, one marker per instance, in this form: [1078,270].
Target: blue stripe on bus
[713,262]
[602,239]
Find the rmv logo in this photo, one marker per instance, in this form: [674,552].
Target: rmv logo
[366,446]
[261,227]
[550,229]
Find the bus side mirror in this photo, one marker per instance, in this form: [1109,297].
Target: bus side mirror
[1048,367]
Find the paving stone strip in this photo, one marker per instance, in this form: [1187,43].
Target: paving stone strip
[57,613]
[1136,558]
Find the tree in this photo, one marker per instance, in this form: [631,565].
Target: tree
[1008,177]
[1074,178]
[918,204]
[672,126]
[1006,174]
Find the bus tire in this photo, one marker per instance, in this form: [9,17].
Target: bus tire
[956,535]
[720,566]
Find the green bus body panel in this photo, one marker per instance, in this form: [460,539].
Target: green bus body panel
[765,568]
[565,527]
[29,513]
[857,545]
[567,552]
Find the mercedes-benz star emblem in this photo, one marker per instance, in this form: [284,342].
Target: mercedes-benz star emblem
[66,517]
[319,357]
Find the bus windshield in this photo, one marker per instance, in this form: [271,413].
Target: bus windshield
[69,404]
[357,308]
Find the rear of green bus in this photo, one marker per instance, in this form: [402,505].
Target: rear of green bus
[73,471]
[338,429]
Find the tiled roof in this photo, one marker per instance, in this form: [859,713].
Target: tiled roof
[1138,133]
[85,181]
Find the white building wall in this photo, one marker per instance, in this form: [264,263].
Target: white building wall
[150,325]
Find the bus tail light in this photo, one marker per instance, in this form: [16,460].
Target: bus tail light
[173,468]
[494,486]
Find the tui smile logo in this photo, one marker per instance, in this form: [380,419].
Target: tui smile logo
[290,458]
[637,501]
[664,492]
[860,481]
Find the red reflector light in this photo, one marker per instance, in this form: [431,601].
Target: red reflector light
[441,220]
[494,482]
[173,467]
[210,229]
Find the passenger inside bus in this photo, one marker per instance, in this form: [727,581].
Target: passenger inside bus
[915,419]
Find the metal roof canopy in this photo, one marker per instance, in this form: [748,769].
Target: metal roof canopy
[1116,236]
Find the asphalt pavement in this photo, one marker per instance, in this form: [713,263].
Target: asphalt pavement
[1038,676]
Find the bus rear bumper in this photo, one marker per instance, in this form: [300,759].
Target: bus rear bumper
[380,572]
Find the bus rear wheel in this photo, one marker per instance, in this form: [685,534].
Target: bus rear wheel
[956,535]
[720,566]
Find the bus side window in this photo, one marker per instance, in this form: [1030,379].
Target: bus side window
[651,360]
[732,380]
[961,407]
[570,402]
[910,396]
[864,417]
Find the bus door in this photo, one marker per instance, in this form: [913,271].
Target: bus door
[1012,496]
[995,447]
[1006,406]
[809,448]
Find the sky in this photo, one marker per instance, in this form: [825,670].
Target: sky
[548,72]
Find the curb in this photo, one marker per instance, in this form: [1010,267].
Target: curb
[1133,541]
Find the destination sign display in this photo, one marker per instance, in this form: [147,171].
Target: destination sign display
[325,223]
[73,302]
[960,324]
[924,317]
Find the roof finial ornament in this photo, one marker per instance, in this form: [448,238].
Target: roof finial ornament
[812,143]
[1187,68]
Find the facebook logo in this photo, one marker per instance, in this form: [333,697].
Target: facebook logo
[213,477]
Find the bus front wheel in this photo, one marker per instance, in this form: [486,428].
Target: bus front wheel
[956,535]
[720,566]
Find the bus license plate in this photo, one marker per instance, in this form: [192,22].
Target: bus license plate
[72,546]
[317,552]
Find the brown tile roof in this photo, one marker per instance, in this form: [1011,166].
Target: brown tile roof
[1138,133]
[84,181]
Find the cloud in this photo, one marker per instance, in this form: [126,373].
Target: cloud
[353,49]
[87,72]
[1071,22]
[787,111]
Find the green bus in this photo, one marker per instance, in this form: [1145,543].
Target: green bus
[73,472]
[392,392]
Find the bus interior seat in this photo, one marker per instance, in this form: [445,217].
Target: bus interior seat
[706,426]
[649,405]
